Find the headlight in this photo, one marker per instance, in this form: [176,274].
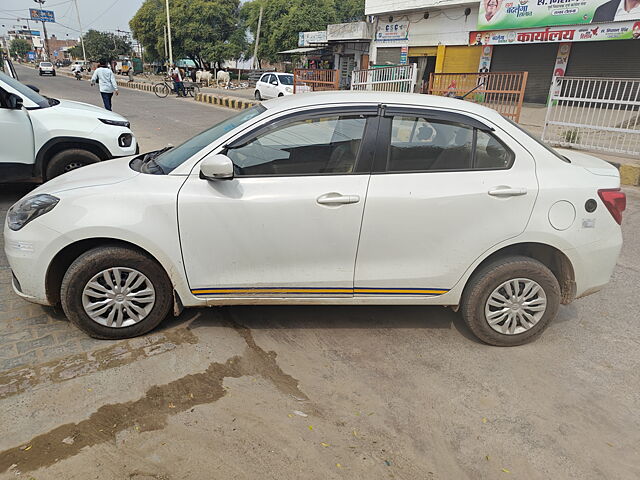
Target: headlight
[115,123]
[32,207]
[288,89]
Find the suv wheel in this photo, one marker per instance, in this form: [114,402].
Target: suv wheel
[114,292]
[67,160]
[258,96]
[511,301]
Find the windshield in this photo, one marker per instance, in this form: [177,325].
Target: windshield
[24,90]
[286,79]
[46,64]
[171,159]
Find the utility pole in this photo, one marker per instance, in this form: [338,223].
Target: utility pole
[169,35]
[255,48]
[166,52]
[44,29]
[84,53]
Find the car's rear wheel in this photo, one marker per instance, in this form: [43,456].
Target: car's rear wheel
[115,292]
[258,96]
[511,301]
[67,160]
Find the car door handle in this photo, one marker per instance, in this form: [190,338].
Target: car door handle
[337,199]
[507,192]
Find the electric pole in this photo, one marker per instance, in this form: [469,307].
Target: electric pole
[44,29]
[255,48]
[84,53]
[169,35]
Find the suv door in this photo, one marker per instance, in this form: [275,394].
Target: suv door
[288,223]
[437,199]
[17,149]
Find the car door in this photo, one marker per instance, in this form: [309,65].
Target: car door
[288,223]
[17,149]
[445,188]
[268,86]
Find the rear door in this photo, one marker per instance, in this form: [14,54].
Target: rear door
[17,150]
[445,188]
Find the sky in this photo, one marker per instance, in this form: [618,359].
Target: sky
[95,14]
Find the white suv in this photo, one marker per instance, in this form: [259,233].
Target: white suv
[46,68]
[272,85]
[41,138]
[351,198]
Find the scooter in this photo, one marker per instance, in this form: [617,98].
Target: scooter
[78,75]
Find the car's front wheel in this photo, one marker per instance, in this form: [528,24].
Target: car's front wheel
[115,292]
[67,160]
[511,301]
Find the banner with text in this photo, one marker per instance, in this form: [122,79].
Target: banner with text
[506,14]
[391,32]
[575,33]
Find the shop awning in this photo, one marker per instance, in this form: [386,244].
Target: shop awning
[301,50]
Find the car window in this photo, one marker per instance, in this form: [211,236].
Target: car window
[286,79]
[313,146]
[171,159]
[45,64]
[24,91]
[491,153]
[268,78]
[264,78]
[418,144]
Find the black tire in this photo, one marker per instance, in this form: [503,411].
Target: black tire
[54,74]
[68,160]
[91,263]
[281,94]
[193,91]
[490,277]
[40,73]
[258,96]
[161,90]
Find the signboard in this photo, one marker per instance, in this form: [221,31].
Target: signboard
[391,32]
[485,59]
[503,14]
[42,15]
[562,58]
[308,39]
[404,51]
[31,55]
[574,33]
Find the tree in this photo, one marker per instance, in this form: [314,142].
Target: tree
[102,46]
[283,19]
[202,30]
[19,47]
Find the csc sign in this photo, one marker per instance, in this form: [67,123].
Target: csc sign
[392,31]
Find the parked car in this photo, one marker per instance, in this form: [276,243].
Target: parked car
[46,68]
[272,85]
[445,202]
[41,137]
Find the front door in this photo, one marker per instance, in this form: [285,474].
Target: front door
[288,223]
[17,154]
[444,190]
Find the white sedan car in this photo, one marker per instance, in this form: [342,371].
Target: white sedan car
[351,198]
[272,85]
[46,68]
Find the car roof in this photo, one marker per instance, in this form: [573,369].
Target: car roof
[338,97]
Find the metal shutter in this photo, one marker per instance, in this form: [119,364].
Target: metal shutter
[388,56]
[539,60]
[461,59]
[619,58]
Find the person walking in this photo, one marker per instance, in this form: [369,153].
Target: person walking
[107,83]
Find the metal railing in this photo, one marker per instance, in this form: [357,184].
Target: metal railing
[314,80]
[502,91]
[600,114]
[397,78]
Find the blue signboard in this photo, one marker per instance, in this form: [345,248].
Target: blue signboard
[42,15]
[55,53]
[31,55]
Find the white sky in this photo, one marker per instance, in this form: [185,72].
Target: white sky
[95,14]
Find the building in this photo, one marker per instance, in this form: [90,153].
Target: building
[350,45]
[59,49]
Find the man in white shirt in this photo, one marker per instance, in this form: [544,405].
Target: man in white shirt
[107,83]
[178,85]
[617,10]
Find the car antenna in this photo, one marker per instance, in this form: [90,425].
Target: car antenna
[461,97]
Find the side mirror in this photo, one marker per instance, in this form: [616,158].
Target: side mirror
[34,88]
[216,167]
[14,102]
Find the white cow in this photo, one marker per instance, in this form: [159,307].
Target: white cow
[223,77]
[203,76]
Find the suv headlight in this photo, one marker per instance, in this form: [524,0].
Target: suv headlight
[31,207]
[115,123]
[288,89]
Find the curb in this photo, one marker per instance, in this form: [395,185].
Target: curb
[229,102]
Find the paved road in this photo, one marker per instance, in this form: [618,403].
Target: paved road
[155,121]
[324,392]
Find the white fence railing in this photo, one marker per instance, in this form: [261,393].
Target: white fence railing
[594,113]
[397,78]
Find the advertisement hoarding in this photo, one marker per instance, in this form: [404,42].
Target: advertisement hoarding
[503,14]
[42,15]
[308,39]
[574,33]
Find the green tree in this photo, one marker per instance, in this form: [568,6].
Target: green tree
[19,47]
[102,46]
[202,30]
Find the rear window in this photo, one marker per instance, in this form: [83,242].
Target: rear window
[44,64]
[547,147]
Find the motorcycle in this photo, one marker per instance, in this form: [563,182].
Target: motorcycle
[78,75]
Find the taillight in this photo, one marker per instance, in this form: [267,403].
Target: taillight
[615,201]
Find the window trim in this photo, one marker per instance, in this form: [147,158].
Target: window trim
[366,149]
[383,149]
